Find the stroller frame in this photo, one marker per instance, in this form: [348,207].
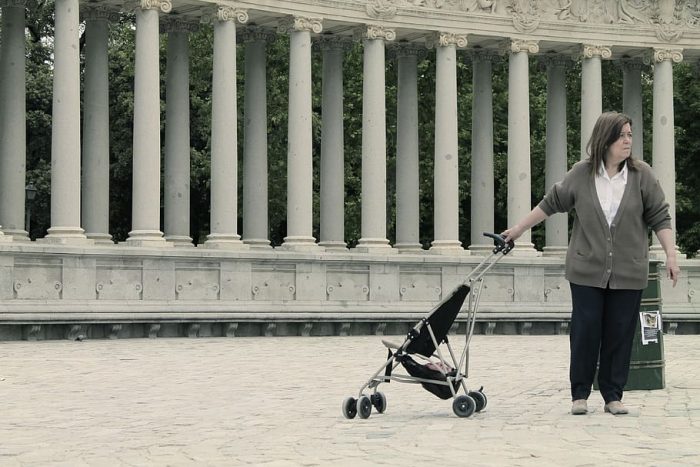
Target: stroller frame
[425,339]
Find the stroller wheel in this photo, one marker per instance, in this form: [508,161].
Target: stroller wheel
[350,408]
[379,401]
[463,406]
[480,399]
[364,407]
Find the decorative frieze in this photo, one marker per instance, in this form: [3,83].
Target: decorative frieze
[596,50]
[300,23]
[444,39]
[523,45]
[375,31]
[661,55]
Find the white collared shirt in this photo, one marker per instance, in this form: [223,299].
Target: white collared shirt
[610,191]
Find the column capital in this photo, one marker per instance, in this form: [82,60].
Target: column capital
[14,3]
[556,60]
[333,42]
[406,49]
[479,54]
[522,45]
[300,23]
[254,33]
[224,13]
[97,13]
[662,54]
[445,39]
[596,50]
[165,6]
[177,23]
[375,31]
[634,64]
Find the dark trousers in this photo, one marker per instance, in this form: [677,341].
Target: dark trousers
[603,323]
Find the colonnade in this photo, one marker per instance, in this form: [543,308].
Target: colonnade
[79,208]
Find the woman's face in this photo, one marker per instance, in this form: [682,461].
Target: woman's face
[622,148]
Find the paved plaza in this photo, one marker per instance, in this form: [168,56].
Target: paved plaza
[277,402]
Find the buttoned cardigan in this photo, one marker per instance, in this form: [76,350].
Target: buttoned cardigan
[615,255]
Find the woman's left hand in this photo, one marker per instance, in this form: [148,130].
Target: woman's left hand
[672,269]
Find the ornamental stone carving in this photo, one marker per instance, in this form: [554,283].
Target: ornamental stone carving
[98,13]
[178,24]
[555,60]
[661,55]
[522,45]
[375,31]
[634,64]
[255,33]
[406,49]
[526,15]
[333,42]
[224,13]
[300,23]
[381,9]
[444,39]
[596,50]
[483,55]
[166,6]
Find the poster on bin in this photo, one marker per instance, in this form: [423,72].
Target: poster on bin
[651,326]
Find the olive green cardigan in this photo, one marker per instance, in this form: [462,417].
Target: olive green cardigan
[617,255]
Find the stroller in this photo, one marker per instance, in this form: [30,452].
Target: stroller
[424,340]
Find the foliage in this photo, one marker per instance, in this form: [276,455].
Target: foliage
[121,75]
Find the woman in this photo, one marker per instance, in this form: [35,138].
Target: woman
[615,199]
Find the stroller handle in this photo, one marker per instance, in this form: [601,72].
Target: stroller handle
[500,243]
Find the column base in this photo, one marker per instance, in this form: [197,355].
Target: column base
[378,246]
[447,247]
[334,245]
[101,238]
[481,249]
[258,243]
[656,251]
[147,238]
[18,235]
[525,250]
[225,242]
[299,243]
[414,248]
[66,236]
[180,241]
[554,251]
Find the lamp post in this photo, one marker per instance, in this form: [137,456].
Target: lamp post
[30,191]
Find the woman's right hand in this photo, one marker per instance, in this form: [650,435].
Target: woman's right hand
[512,233]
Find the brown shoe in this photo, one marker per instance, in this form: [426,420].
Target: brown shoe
[616,408]
[579,407]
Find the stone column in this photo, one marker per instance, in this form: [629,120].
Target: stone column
[95,180]
[299,151]
[145,208]
[632,102]
[13,137]
[556,227]
[255,184]
[482,186]
[332,144]
[176,196]
[591,90]
[663,142]
[224,152]
[519,176]
[374,195]
[65,134]
[407,153]
[446,168]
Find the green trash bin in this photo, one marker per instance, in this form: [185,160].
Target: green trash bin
[647,362]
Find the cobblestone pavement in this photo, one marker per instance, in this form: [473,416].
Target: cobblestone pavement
[277,402]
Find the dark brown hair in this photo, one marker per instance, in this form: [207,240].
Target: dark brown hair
[605,132]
